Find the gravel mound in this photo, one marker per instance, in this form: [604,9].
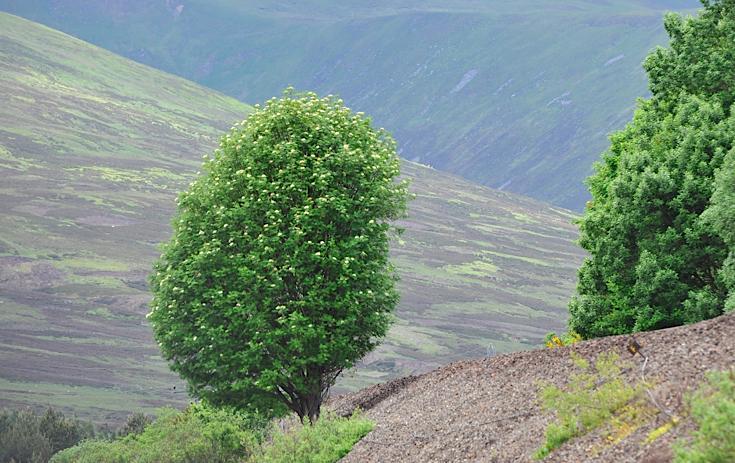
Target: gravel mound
[488,411]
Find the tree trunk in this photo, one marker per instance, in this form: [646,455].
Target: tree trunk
[309,408]
[308,405]
[314,409]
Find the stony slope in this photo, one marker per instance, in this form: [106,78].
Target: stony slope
[518,94]
[487,410]
[93,149]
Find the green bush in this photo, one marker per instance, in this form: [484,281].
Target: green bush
[135,424]
[713,409]
[330,439]
[204,434]
[198,434]
[26,437]
[592,397]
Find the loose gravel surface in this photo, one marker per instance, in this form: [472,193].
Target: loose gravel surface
[488,410]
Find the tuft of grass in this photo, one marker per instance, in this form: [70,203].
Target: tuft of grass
[592,397]
[661,430]
[95,264]
[713,409]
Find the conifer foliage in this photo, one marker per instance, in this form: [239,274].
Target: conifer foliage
[277,276]
[659,227]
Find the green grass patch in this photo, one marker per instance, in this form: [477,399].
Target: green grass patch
[458,202]
[477,268]
[17,163]
[417,337]
[88,283]
[525,218]
[529,260]
[104,312]
[151,177]
[13,312]
[493,229]
[116,342]
[487,308]
[357,379]
[437,275]
[92,263]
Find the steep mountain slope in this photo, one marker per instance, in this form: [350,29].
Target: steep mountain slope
[518,95]
[93,149]
[488,410]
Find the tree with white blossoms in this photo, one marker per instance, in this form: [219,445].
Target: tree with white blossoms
[277,275]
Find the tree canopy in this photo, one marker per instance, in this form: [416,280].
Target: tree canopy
[659,227]
[277,275]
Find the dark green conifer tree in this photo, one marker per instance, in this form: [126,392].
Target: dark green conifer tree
[656,258]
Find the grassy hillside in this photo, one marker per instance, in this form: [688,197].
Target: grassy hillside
[519,95]
[93,149]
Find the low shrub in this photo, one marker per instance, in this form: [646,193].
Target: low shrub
[328,440]
[205,434]
[27,437]
[591,398]
[135,424]
[713,409]
[198,434]
[552,340]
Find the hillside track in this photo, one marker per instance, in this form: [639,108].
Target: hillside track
[488,410]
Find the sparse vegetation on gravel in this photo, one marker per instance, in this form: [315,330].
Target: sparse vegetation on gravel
[713,410]
[488,410]
[590,399]
[553,340]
